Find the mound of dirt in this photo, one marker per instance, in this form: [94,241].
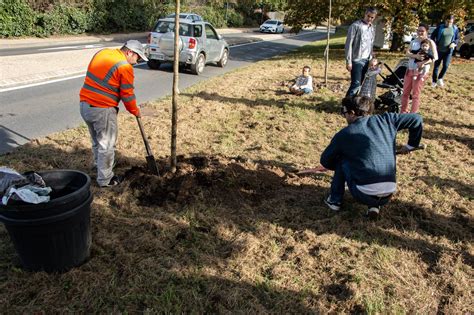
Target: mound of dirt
[229,180]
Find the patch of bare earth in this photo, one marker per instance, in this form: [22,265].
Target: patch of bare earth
[235,229]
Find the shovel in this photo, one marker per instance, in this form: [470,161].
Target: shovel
[150,159]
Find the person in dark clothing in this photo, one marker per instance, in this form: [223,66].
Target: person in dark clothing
[446,37]
[363,154]
[359,49]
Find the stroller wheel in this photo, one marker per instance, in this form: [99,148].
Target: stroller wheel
[395,108]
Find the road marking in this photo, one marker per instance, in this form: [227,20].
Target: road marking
[272,40]
[73,47]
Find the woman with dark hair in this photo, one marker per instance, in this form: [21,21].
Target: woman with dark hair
[413,83]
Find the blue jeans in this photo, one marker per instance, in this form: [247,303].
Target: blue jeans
[307,91]
[342,174]
[359,68]
[445,57]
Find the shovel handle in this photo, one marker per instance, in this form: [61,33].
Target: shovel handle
[142,131]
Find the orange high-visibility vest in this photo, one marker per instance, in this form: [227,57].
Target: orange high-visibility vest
[109,79]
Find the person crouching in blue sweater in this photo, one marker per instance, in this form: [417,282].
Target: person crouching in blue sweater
[363,154]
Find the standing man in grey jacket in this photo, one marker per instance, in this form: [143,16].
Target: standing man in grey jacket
[358,49]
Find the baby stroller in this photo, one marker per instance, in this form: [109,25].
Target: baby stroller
[391,100]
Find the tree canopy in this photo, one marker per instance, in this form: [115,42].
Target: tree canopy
[403,14]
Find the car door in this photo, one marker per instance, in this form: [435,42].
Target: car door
[280,27]
[213,46]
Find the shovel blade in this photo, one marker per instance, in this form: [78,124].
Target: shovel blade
[151,163]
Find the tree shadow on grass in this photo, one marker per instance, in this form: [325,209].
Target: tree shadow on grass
[243,193]
[462,189]
[201,240]
[306,102]
[446,123]
[439,136]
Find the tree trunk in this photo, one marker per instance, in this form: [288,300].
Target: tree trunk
[327,47]
[174,107]
[396,43]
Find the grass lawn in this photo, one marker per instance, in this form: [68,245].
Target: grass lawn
[236,230]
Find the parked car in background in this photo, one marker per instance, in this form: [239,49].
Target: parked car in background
[466,46]
[272,26]
[187,16]
[199,44]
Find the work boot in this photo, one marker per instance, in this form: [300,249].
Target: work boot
[114,181]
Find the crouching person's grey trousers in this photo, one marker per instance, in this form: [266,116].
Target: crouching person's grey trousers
[102,124]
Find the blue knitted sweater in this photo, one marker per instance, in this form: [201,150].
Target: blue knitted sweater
[368,146]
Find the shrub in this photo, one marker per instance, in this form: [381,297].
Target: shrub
[16,18]
[214,16]
[234,19]
[63,20]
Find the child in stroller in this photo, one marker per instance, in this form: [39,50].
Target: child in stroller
[392,99]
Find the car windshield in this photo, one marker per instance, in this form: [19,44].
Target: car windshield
[184,16]
[165,27]
[271,22]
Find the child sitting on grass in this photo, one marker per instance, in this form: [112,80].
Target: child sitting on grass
[369,84]
[423,64]
[303,83]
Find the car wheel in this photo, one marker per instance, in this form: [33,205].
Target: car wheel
[153,64]
[225,57]
[198,67]
[465,52]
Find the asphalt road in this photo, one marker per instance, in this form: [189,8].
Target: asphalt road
[64,46]
[41,110]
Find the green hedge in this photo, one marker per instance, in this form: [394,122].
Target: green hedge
[18,19]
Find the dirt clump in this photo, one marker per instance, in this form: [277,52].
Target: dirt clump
[223,179]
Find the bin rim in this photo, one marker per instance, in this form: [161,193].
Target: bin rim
[48,219]
[28,206]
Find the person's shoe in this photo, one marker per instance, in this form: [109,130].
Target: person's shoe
[433,84]
[114,181]
[335,206]
[373,213]
[440,83]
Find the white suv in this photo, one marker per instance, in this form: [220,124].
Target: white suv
[199,44]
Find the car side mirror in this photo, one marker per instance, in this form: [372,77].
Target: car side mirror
[219,37]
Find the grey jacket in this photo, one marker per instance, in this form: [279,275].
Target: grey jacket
[360,41]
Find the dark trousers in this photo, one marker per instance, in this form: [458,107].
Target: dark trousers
[359,68]
[342,175]
[444,57]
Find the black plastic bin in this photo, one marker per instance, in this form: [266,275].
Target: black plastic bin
[53,236]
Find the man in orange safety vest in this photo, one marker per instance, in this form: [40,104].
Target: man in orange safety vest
[108,81]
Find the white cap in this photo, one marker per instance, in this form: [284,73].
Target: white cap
[136,47]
